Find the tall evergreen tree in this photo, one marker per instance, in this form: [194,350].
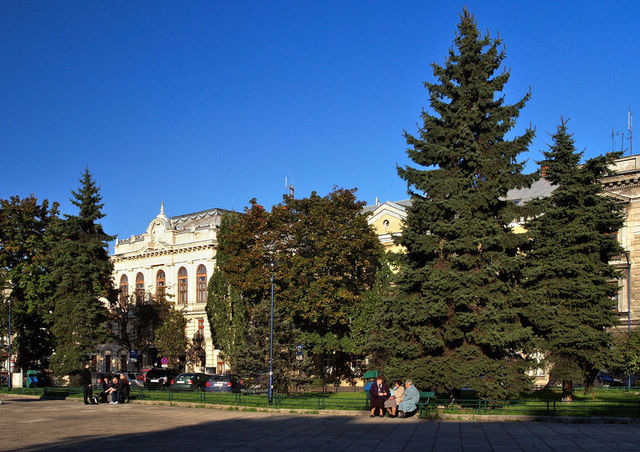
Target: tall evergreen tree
[83,273]
[457,320]
[568,271]
[25,261]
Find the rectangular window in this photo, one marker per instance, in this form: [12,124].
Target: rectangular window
[202,289]
[182,291]
[123,362]
[107,363]
[620,299]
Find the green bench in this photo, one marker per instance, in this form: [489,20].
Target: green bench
[425,398]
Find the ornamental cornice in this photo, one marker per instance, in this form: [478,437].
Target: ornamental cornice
[155,253]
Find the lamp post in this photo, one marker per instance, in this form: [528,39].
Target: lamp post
[9,286]
[273,266]
[627,256]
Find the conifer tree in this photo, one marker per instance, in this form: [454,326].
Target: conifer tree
[457,321]
[568,271]
[83,273]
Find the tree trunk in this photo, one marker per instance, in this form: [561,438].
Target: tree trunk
[567,390]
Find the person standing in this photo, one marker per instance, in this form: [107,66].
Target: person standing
[85,381]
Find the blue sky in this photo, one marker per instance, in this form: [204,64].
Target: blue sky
[208,104]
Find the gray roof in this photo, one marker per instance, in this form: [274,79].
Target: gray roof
[539,189]
[197,219]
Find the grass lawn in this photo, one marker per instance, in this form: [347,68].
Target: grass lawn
[600,402]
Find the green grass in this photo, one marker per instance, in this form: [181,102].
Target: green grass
[600,402]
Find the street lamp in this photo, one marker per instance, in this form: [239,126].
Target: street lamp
[273,266]
[627,256]
[9,286]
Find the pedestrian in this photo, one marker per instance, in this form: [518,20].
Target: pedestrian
[123,388]
[85,381]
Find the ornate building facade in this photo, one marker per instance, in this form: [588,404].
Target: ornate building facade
[624,186]
[174,257]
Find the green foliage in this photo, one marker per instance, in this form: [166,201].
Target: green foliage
[456,321]
[226,309]
[628,348]
[196,354]
[327,259]
[133,319]
[25,261]
[83,275]
[568,273]
[171,339]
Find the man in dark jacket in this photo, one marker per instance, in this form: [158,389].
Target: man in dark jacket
[85,381]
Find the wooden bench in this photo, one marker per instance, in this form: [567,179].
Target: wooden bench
[425,398]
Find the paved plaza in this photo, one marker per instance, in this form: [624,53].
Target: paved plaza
[33,424]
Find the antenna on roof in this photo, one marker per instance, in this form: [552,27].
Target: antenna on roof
[290,188]
[630,129]
[614,134]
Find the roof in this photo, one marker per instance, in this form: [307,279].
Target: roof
[541,188]
[196,219]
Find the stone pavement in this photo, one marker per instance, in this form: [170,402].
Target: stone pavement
[33,424]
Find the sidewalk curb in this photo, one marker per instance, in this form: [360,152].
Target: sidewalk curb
[251,409]
[527,418]
[444,417]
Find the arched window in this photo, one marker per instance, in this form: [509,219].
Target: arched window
[124,287]
[160,283]
[201,284]
[139,286]
[182,286]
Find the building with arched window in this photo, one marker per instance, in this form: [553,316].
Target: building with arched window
[201,284]
[173,258]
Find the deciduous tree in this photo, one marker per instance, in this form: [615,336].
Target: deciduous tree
[25,260]
[171,338]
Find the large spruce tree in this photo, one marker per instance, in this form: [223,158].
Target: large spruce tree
[457,320]
[568,271]
[83,274]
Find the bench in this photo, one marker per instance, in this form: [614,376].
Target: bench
[425,398]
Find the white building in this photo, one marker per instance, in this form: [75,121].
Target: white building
[176,256]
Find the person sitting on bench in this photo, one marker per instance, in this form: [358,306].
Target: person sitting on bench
[411,397]
[392,402]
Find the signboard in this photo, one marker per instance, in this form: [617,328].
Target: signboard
[299,353]
[164,361]
[133,354]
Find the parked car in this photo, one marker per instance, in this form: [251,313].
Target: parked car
[98,377]
[160,378]
[134,380]
[190,381]
[609,380]
[224,383]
